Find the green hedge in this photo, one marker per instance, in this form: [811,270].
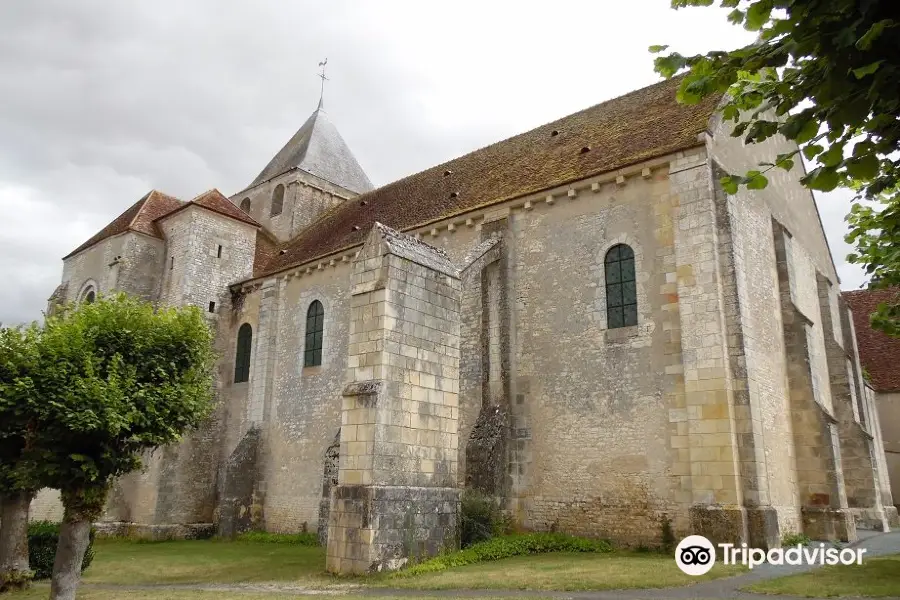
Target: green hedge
[505,547]
[43,537]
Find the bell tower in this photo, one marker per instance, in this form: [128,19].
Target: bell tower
[314,171]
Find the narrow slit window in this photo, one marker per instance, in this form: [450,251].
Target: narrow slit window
[212,307]
[621,292]
[171,263]
[219,251]
[277,201]
[315,327]
[242,355]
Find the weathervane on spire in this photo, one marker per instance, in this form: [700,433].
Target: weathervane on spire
[324,79]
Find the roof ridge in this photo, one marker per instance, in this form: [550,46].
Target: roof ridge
[363,196]
[209,191]
[137,213]
[609,135]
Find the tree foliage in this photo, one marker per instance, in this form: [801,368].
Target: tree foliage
[825,74]
[18,359]
[83,396]
[118,377]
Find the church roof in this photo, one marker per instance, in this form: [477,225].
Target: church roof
[139,217]
[318,149]
[626,130]
[143,214]
[878,351]
[214,200]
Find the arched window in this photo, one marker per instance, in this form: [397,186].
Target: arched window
[315,325]
[242,356]
[277,200]
[245,205]
[88,292]
[621,294]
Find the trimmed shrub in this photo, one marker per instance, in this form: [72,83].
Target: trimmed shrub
[506,546]
[480,519]
[43,537]
[299,539]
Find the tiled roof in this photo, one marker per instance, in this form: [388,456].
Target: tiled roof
[879,353]
[266,250]
[143,214]
[138,217]
[214,200]
[632,128]
[318,149]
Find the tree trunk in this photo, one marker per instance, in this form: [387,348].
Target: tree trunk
[14,571]
[81,506]
[73,542]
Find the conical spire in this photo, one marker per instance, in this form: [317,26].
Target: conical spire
[318,149]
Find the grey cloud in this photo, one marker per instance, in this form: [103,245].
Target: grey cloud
[101,101]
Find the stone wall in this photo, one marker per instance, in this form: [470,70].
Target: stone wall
[883,459]
[301,414]
[46,506]
[296,406]
[778,343]
[888,405]
[129,262]
[205,253]
[595,410]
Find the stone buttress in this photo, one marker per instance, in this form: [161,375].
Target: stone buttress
[397,496]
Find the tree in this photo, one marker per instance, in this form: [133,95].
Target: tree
[18,357]
[117,377]
[825,74]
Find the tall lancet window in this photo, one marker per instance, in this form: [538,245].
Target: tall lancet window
[621,293]
[277,200]
[315,327]
[245,205]
[242,356]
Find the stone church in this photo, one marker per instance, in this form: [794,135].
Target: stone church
[577,321]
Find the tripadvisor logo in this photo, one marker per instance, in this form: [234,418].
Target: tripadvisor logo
[696,555]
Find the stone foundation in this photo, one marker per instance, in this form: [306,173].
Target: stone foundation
[377,528]
[871,519]
[763,529]
[829,524]
[892,517]
[720,524]
[156,533]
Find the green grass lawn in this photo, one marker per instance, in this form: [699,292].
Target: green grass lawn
[255,564]
[206,561]
[41,592]
[874,577]
[563,571]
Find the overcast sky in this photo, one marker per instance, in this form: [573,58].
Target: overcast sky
[102,101]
